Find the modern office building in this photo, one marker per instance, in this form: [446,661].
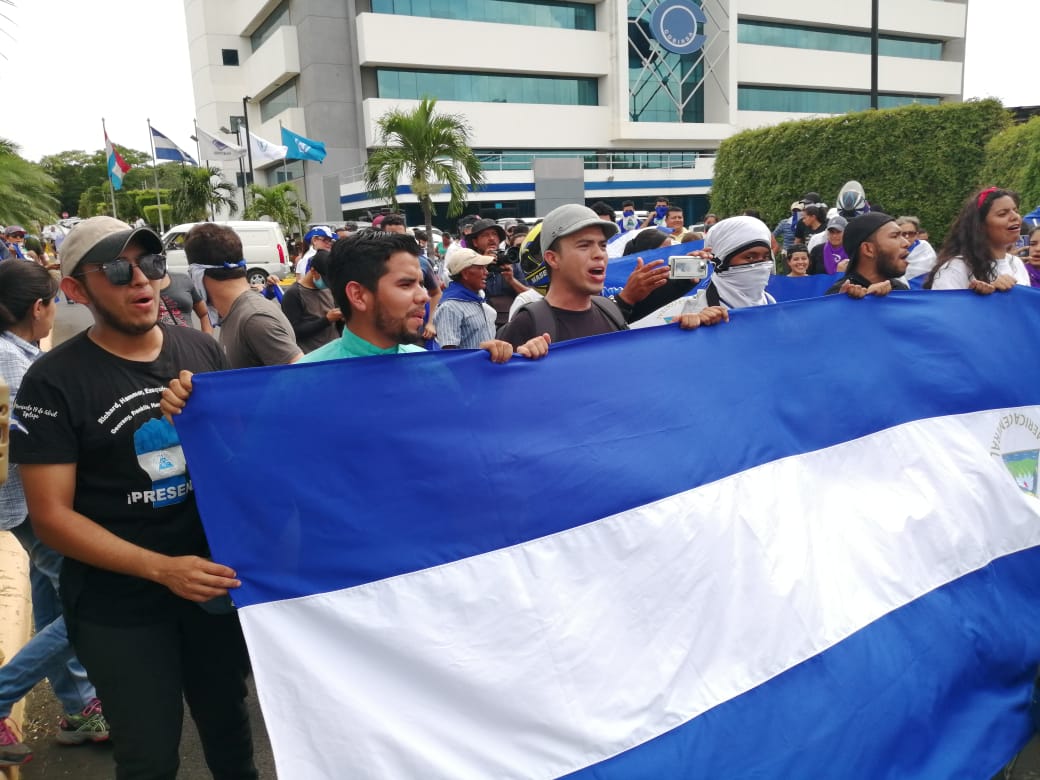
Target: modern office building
[611,99]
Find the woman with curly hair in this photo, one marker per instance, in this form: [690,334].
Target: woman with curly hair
[975,254]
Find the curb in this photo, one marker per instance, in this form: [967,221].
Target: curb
[15,614]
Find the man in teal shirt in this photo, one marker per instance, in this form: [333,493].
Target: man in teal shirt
[378,285]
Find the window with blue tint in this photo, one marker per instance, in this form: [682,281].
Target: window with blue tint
[282,98]
[794,36]
[510,160]
[486,87]
[277,18]
[819,101]
[662,86]
[538,13]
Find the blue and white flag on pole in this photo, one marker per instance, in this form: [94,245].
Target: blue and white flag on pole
[802,544]
[167,150]
[300,148]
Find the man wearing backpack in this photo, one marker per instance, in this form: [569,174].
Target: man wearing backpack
[575,252]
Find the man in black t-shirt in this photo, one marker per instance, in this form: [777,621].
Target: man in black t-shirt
[107,486]
[575,250]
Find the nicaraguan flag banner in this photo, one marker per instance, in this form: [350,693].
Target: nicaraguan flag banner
[300,148]
[168,151]
[803,544]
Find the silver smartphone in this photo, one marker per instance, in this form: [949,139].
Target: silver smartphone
[686,267]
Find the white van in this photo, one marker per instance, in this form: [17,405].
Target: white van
[263,248]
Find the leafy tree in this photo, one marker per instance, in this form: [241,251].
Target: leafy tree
[429,150]
[77,171]
[26,191]
[194,194]
[281,203]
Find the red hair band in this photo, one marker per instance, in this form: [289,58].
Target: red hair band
[983,195]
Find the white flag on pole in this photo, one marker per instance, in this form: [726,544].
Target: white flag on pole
[212,148]
[265,151]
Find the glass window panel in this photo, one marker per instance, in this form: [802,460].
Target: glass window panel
[819,101]
[277,18]
[486,87]
[278,101]
[540,13]
[804,37]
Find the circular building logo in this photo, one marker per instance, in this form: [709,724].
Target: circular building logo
[675,23]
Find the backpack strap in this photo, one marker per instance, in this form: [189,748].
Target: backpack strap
[613,313]
[542,317]
[544,321]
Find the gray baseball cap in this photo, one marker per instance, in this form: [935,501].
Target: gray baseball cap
[569,219]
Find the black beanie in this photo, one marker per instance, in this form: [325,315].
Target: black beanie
[860,229]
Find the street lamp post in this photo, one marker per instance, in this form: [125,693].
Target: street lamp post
[241,170]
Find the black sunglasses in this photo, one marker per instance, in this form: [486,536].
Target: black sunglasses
[120,271]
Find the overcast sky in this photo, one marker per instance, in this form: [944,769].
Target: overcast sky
[72,62]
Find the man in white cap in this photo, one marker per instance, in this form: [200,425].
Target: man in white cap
[107,486]
[463,319]
[574,249]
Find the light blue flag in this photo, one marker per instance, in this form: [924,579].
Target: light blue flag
[301,148]
[800,544]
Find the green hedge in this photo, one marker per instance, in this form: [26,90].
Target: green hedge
[921,160]
[1013,161]
[151,215]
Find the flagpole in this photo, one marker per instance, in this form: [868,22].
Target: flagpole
[285,173]
[111,189]
[198,149]
[249,138]
[155,172]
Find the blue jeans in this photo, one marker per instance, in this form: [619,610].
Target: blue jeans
[48,654]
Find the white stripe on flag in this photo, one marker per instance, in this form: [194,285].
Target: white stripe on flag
[553,655]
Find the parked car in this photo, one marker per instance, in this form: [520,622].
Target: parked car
[263,248]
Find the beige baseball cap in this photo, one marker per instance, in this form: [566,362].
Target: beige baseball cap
[98,239]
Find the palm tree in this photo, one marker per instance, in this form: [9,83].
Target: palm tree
[27,193]
[429,150]
[195,193]
[281,203]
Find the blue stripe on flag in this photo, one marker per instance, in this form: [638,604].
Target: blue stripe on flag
[786,288]
[795,727]
[600,426]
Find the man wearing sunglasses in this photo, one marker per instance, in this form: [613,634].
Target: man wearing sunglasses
[14,238]
[106,484]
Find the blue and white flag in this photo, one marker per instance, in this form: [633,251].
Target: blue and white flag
[167,150]
[300,148]
[802,544]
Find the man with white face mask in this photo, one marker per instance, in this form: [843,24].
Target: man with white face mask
[743,263]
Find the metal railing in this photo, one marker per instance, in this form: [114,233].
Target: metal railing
[594,161]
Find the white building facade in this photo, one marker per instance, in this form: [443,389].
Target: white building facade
[637,94]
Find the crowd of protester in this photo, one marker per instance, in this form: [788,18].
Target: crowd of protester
[139,609]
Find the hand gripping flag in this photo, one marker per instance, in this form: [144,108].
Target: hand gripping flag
[214,148]
[773,548]
[117,166]
[167,150]
[300,148]
[265,151]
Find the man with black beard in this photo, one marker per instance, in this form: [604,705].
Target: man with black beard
[877,253]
